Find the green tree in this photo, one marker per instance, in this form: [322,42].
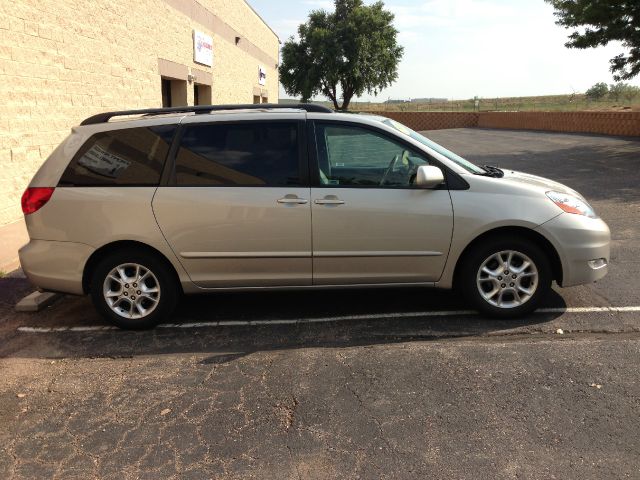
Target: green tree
[623,90]
[598,91]
[598,22]
[342,53]
[630,92]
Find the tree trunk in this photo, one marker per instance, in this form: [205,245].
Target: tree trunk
[331,93]
[346,99]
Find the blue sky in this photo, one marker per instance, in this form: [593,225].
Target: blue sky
[462,48]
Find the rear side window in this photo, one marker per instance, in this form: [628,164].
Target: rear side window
[127,157]
[239,154]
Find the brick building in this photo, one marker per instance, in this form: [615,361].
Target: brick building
[63,60]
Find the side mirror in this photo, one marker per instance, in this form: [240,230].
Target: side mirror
[429,176]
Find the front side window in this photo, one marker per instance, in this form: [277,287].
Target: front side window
[125,157]
[239,154]
[352,156]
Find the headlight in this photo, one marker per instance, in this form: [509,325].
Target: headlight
[572,204]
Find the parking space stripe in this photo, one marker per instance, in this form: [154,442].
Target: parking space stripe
[340,318]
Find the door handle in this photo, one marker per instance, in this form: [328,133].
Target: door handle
[293,200]
[328,201]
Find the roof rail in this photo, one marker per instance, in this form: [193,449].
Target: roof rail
[106,116]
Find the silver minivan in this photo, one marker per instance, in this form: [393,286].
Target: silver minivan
[138,207]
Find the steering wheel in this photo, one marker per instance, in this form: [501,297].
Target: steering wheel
[392,165]
[389,169]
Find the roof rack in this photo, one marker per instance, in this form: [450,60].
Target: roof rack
[106,116]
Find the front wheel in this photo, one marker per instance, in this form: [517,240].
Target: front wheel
[133,289]
[505,278]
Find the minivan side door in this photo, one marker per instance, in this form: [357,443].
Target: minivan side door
[370,223]
[236,209]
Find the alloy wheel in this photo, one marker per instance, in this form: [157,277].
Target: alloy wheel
[507,279]
[131,290]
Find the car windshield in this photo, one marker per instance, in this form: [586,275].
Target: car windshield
[466,164]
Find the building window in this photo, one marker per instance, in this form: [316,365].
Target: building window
[256,99]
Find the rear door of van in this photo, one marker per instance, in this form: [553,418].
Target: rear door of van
[235,209]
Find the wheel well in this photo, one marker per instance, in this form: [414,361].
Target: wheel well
[101,252]
[519,232]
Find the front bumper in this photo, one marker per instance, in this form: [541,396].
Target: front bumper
[55,266]
[579,241]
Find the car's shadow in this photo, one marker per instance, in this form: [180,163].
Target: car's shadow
[339,319]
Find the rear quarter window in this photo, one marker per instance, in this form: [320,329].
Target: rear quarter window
[126,157]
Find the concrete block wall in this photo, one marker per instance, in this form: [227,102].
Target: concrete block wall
[64,60]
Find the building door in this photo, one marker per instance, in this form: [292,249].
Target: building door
[174,92]
[166,92]
[201,94]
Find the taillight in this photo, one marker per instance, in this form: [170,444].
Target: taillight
[34,198]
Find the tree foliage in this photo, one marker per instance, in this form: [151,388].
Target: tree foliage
[598,22]
[623,90]
[342,53]
[598,91]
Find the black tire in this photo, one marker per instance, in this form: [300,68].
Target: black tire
[168,289]
[467,279]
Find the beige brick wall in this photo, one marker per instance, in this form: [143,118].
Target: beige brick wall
[63,60]
[607,123]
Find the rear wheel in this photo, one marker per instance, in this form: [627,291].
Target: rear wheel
[133,289]
[505,278]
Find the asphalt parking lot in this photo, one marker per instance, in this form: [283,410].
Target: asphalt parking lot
[347,384]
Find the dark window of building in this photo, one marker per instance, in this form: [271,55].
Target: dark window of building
[166,92]
[129,157]
[256,99]
[240,154]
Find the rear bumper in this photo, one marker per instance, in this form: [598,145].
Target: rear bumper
[55,266]
[579,241]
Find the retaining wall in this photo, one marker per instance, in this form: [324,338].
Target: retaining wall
[608,123]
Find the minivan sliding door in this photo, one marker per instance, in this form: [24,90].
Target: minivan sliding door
[237,210]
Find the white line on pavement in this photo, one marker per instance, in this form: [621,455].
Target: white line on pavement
[375,316]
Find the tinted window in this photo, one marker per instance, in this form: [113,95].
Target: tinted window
[130,157]
[354,156]
[239,154]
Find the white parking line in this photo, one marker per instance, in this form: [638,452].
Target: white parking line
[375,316]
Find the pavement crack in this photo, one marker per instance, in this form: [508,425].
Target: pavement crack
[294,462]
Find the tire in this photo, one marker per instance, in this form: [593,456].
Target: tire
[123,299]
[520,295]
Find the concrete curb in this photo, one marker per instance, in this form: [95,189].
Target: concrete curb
[36,301]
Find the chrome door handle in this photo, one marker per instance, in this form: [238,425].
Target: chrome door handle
[328,201]
[293,200]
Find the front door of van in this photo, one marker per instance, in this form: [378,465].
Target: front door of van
[237,210]
[371,224]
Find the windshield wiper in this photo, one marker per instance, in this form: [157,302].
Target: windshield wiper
[493,171]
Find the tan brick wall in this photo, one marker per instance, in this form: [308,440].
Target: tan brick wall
[607,123]
[63,60]
[432,120]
